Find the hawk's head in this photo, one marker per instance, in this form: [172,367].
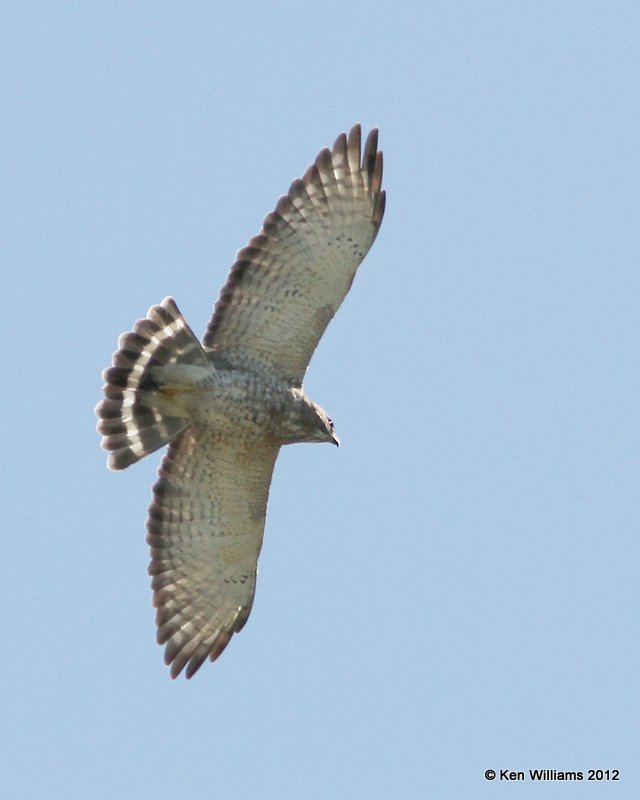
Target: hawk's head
[309,422]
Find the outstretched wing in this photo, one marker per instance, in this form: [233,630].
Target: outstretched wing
[287,284]
[205,529]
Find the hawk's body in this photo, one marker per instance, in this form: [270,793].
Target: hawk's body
[228,405]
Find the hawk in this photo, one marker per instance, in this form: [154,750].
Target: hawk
[227,405]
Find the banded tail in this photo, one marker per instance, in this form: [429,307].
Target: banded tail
[136,416]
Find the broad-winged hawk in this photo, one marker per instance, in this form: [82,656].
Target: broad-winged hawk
[226,406]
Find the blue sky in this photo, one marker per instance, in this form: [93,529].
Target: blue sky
[455,589]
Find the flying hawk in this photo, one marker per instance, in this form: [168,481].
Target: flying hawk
[226,406]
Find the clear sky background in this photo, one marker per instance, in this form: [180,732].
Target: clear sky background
[456,588]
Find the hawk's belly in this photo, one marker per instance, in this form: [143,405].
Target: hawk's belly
[246,405]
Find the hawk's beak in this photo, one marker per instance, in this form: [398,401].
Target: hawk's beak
[335,440]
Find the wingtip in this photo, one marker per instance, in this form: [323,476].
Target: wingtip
[371,145]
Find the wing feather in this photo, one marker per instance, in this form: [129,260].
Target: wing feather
[287,284]
[205,528]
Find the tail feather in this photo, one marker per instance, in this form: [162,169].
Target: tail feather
[132,417]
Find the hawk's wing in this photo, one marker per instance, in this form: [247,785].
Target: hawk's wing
[287,284]
[205,529]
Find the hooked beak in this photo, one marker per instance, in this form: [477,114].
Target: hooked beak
[335,440]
